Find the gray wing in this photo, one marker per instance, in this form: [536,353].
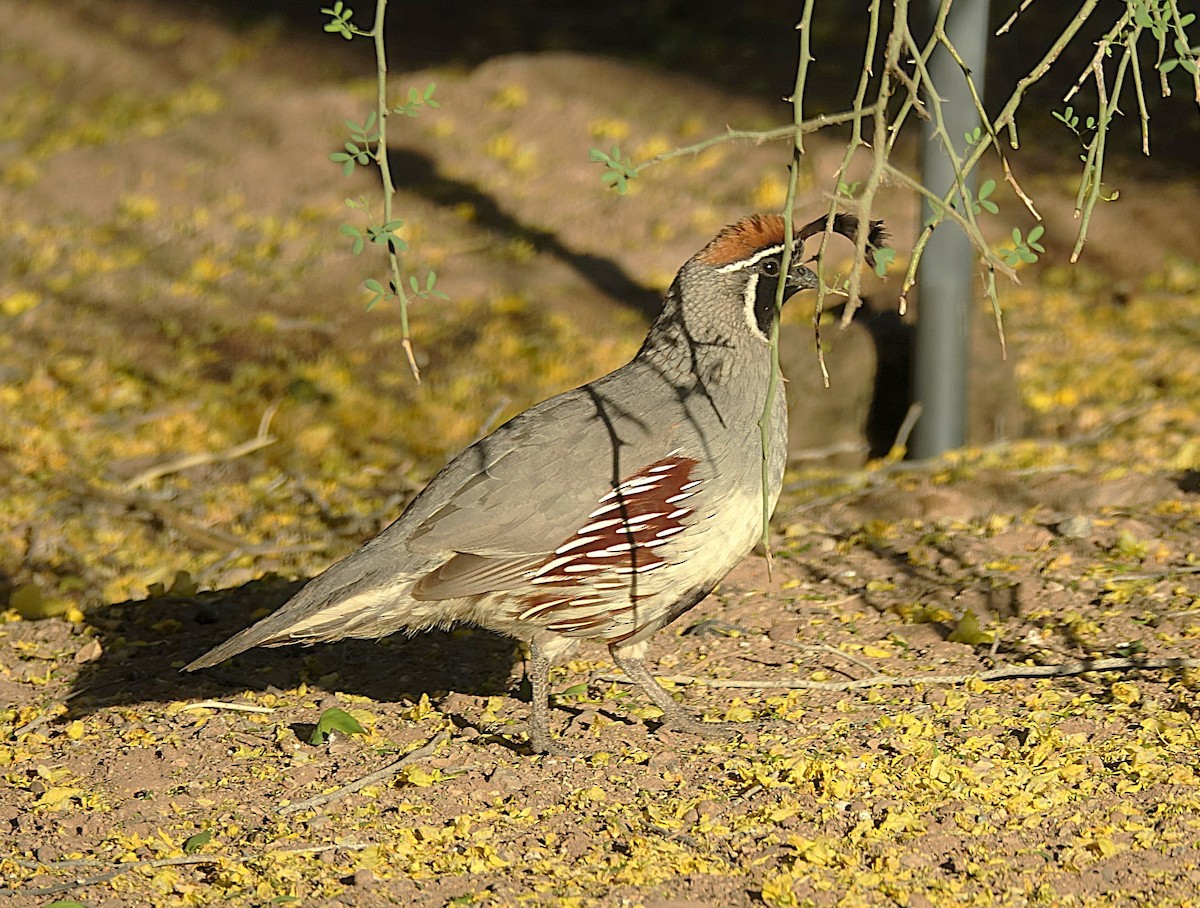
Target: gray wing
[506,503]
[523,490]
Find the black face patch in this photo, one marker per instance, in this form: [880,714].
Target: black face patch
[764,302]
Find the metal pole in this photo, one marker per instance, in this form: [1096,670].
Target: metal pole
[945,277]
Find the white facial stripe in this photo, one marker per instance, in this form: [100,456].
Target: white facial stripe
[745,263]
[750,297]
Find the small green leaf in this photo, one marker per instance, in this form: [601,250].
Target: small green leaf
[1034,235]
[988,187]
[575,690]
[373,285]
[883,260]
[334,719]
[196,842]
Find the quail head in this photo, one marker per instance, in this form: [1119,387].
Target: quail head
[603,513]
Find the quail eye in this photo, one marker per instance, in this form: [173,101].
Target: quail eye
[770,267]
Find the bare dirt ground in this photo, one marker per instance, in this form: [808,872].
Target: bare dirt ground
[198,414]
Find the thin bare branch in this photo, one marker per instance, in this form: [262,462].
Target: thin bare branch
[1006,673]
[371,778]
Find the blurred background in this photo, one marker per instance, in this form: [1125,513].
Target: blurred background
[190,380]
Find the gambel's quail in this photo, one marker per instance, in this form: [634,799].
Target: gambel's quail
[603,513]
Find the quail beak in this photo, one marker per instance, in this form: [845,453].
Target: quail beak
[801,278]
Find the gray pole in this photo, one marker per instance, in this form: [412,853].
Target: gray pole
[945,276]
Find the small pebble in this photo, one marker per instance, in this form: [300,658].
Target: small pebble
[1078,527]
[364,877]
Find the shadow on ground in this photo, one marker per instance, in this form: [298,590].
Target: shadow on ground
[148,641]
[418,173]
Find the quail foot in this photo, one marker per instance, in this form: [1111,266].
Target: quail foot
[603,513]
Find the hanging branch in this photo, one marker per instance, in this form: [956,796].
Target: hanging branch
[369,144]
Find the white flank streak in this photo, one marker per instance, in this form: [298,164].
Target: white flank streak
[669,531]
[598,525]
[619,547]
[638,481]
[554,565]
[601,553]
[682,512]
[680,497]
[574,544]
[643,518]
[663,468]
[540,607]
[632,487]
[689,485]
[591,610]
[599,512]
[641,568]
[582,568]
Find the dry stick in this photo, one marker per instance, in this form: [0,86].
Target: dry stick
[906,428]
[119,868]
[1013,18]
[997,674]
[188,461]
[107,875]
[378,775]
[261,439]
[839,447]
[221,704]
[834,651]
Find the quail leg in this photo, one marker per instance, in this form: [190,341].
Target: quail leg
[539,714]
[632,662]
